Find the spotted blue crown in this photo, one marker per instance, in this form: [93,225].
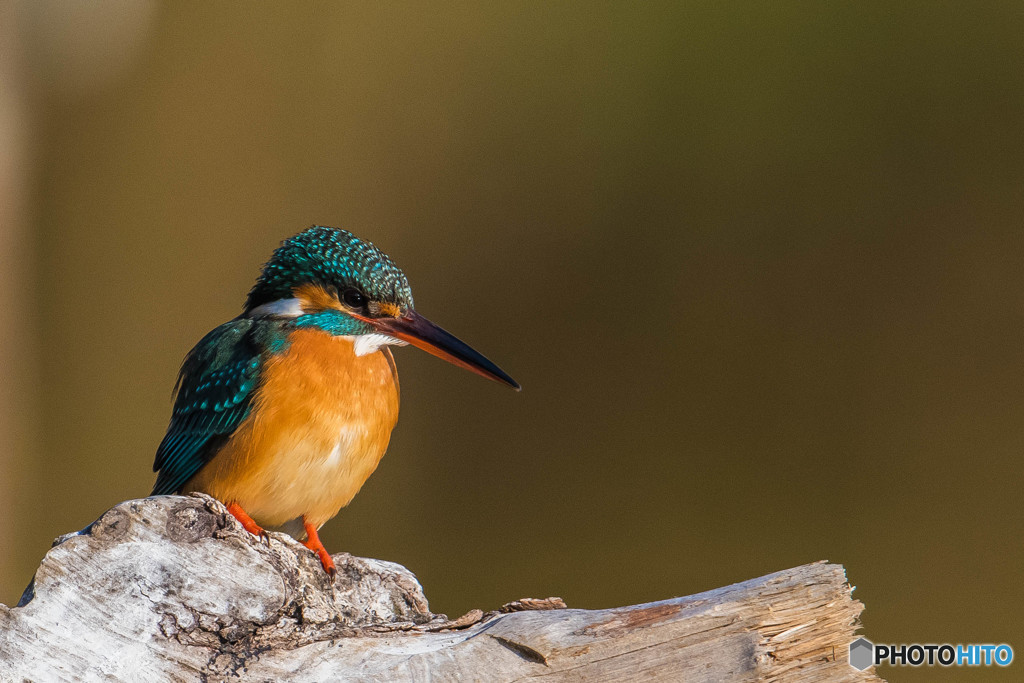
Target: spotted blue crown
[333,258]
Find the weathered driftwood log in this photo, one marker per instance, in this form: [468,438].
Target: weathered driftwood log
[171,588]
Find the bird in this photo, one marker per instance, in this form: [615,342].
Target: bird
[284,412]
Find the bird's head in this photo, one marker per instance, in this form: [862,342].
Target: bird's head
[331,280]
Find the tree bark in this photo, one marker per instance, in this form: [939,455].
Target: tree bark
[173,589]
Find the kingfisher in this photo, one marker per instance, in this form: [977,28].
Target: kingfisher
[283,412]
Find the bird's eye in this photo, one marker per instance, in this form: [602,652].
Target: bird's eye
[353,298]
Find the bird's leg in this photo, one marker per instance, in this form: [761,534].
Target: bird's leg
[248,522]
[313,543]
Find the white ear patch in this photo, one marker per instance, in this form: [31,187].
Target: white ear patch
[282,308]
[368,343]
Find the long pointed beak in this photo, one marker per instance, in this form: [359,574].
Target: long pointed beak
[420,332]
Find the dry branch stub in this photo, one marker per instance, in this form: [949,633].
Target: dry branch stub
[172,588]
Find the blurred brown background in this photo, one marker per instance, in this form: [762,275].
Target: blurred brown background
[759,268]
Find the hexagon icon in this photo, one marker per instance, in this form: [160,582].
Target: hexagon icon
[862,653]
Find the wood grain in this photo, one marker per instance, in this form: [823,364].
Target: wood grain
[172,589]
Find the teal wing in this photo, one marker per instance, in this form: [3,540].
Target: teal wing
[214,395]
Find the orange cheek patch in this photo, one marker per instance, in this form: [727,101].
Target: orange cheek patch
[390,309]
[315,298]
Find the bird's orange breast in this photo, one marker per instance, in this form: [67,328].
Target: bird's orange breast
[321,421]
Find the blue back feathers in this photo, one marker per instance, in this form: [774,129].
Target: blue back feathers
[214,395]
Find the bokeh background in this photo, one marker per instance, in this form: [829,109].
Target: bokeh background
[758,266]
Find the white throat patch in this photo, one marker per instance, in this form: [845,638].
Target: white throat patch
[363,344]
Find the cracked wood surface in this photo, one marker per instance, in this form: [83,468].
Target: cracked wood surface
[172,588]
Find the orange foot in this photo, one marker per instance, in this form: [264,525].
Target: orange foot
[313,543]
[248,522]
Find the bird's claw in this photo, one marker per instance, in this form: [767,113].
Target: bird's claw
[248,523]
[313,543]
[326,561]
